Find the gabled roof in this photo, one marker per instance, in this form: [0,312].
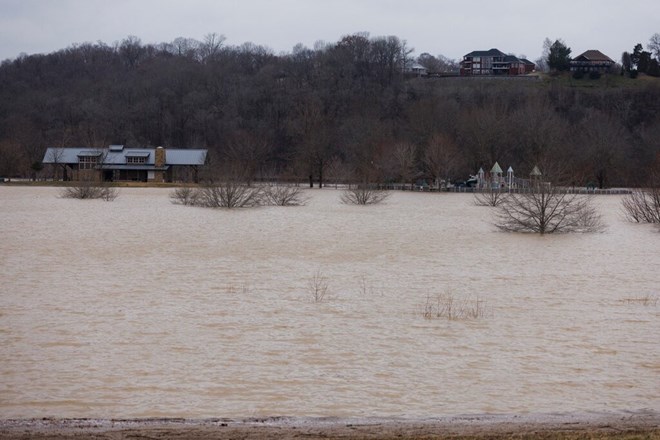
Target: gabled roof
[593,55]
[116,156]
[486,53]
[528,62]
[185,157]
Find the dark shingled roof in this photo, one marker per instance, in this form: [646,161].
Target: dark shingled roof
[593,55]
[486,53]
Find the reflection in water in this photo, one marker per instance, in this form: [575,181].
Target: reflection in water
[141,308]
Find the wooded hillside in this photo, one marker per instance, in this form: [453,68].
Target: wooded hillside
[342,111]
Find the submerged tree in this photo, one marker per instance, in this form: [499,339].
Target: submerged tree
[643,205]
[546,207]
[490,196]
[363,194]
[90,189]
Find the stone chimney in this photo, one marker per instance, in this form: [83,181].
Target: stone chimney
[159,162]
[159,159]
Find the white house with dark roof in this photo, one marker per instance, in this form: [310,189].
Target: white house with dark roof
[117,163]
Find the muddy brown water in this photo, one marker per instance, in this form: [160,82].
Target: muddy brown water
[142,308]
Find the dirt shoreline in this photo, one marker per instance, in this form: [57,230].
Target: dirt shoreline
[642,424]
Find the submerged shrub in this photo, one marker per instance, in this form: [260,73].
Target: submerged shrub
[284,195]
[233,194]
[88,189]
[447,306]
[642,206]
[318,286]
[185,196]
[363,194]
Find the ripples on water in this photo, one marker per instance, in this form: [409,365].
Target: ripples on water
[141,308]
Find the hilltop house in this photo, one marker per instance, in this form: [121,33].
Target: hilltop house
[529,66]
[591,61]
[415,69]
[116,163]
[493,62]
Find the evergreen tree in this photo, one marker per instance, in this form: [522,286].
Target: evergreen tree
[559,58]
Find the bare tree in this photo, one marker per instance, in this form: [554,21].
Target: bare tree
[225,189]
[55,156]
[654,45]
[338,171]
[90,189]
[546,207]
[490,196]
[248,153]
[643,205]
[318,286]
[185,196]
[405,155]
[363,194]
[9,159]
[439,64]
[284,195]
[211,46]
[441,157]
[229,194]
[311,128]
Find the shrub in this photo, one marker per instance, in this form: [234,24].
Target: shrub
[446,306]
[87,189]
[594,75]
[578,74]
[490,197]
[318,286]
[185,196]
[230,195]
[644,300]
[283,195]
[363,195]
[642,206]
[223,195]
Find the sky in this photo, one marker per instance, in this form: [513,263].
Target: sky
[439,27]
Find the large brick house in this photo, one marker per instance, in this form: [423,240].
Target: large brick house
[591,61]
[493,62]
[116,163]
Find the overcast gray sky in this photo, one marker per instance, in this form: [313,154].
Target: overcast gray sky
[452,28]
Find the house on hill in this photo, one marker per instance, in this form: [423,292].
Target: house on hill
[116,163]
[415,69]
[493,62]
[591,61]
[529,66]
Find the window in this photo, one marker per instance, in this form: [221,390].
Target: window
[135,160]
[87,162]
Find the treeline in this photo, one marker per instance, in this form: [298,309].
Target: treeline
[342,111]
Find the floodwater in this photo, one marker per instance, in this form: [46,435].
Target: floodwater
[142,308]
